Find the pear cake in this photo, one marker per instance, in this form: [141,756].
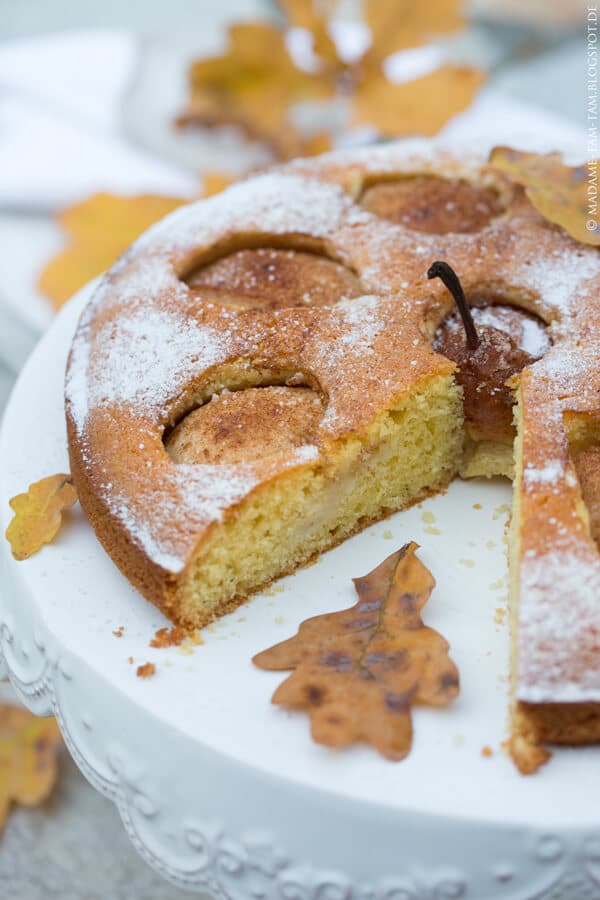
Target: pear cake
[267,371]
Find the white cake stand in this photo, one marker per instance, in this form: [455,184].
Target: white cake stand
[225,794]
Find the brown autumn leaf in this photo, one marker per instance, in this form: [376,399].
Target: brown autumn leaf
[358,672]
[253,85]
[98,230]
[38,514]
[558,192]
[28,767]
[421,106]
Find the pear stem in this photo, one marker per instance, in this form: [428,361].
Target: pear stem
[444,271]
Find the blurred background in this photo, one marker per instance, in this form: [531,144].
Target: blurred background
[112,113]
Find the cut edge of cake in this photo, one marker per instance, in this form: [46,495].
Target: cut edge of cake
[408,453]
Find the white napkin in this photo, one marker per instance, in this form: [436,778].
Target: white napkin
[60,98]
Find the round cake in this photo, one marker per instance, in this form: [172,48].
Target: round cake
[265,372]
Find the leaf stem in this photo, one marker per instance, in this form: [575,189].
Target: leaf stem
[444,271]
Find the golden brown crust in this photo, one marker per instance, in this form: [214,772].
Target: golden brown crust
[272,278]
[150,351]
[433,204]
[242,425]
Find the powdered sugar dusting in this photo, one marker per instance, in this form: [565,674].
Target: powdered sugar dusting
[548,474]
[196,495]
[141,361]
[559,610]
[570,369]
[360,325]
[559,277]
[76,383]
[273,203]
[532,339]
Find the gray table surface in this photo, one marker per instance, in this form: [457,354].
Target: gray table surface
[74,847]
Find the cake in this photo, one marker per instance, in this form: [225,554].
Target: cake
[268,371]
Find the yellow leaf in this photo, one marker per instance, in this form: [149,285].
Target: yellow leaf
[320,142]
[558,192]
[98,230]
[422,106]
[314,15]
[38,514]
[214,183]
[253,84]
[401,24]
[28,767]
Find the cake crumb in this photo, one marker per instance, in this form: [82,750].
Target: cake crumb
[502,510]
[279,620]
[497,585]
[528,758]
[242,619]
[130,660]
[428,517]
[487,751]
[195,638]
[490,544]
[185,649]
[388,534]
[430,529]
[168,637]
[118,632]
[477,506]
[147,670]
[468,563]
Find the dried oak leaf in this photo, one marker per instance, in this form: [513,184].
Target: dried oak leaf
[38,514]
[558,192]
[421,106]
[253,85]
[28,766]
[359,671]
[98,230]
